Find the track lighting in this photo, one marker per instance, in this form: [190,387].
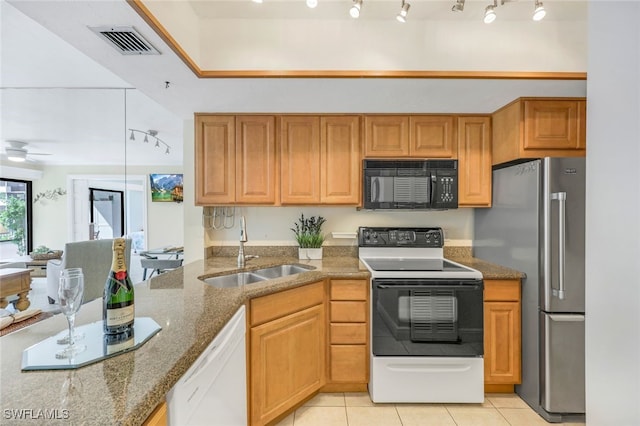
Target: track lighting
[402,15]
[153,134]
[312,3]
[539,13]
[459,6]
[490,13]
[355,9]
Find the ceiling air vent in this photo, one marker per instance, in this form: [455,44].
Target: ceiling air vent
[125,40]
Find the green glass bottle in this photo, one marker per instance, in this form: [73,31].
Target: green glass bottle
[118,309]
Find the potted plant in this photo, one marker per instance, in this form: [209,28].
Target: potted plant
[308,232]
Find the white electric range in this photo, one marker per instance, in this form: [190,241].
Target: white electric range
[426,319]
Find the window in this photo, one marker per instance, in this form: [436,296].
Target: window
[16,219]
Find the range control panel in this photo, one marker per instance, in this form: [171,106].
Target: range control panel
[400,237]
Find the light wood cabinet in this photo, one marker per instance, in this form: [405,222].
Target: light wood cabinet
[235,160]
[539,127]
[474,161]
[502,335]
[340,160]
[215,160]
[320,160]
[432,136]
[158,417]
[386,136]
[416,136]
[348,357]
[256,179]
[287,350]
[300,159]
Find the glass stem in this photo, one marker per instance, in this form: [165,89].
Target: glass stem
[71,319]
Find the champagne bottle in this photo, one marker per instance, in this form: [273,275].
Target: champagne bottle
[118,310]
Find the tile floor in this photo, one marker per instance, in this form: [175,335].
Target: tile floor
[356,409]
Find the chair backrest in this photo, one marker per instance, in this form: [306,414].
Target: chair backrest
[94,257]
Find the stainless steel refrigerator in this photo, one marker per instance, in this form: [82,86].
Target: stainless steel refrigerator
[537,225]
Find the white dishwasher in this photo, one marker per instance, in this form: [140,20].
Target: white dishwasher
[213,391]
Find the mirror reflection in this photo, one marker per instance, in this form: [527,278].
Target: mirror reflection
[71,171]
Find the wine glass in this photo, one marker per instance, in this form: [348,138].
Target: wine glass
[70,294]
[77,335]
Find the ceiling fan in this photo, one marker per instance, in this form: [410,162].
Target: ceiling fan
[17,151]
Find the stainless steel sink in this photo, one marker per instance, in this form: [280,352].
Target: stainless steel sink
[281,271]
[234,280]
[244,278]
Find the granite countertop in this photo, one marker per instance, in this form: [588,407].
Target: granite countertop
[490,271]
[125,389]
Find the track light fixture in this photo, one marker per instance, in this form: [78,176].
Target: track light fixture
[355,8]
[402,15]
[539,12]
[153,134]
[490,12]
[312,4]
[459,6]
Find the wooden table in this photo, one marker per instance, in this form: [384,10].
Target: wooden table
[38,267]
[15,281]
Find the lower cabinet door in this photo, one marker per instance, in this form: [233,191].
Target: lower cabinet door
[502,353]
[349,364]
[287,362]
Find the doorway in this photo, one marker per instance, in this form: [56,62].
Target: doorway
[107,213]
[16,220]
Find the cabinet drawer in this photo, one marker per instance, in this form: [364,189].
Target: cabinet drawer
[347,333]
[277,305]
[349,289]
[349,363]
[502,290]
[348,311]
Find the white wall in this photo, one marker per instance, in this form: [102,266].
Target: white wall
[613,203]
[50,218]
[193,232]
[272,225]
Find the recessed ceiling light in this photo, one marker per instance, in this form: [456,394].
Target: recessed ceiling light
[312,3]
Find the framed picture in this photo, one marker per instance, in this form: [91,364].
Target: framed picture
[166,188]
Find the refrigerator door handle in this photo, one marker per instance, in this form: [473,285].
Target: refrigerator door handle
[566,317]
[561,197]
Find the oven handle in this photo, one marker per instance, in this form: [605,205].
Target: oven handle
[432,286]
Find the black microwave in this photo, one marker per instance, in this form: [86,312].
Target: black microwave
[410,184]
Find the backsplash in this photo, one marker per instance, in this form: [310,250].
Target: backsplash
[278,251]
[327,251]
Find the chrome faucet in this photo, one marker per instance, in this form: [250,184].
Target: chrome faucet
[243,239]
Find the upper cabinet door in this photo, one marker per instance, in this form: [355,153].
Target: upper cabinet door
[386,136]
[432,136]
[340,160]
[300,159]
[215,165]
[474,161]
[554,124]
[256,180]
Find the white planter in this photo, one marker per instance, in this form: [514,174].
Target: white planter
[309,253]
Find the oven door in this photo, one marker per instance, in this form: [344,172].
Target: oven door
[427,317]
